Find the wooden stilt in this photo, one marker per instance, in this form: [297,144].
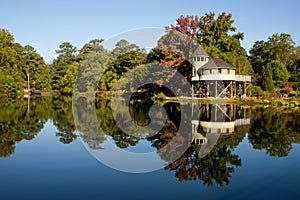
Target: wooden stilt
[216,89]
[234,112]
[193,91]
[234,89]
[215,113]
[245,89]
[225,89]
[231,110]
[224,112]
[231,89]
[207,111]
[208,92]
[192,110]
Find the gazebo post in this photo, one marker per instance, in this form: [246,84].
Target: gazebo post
[208,92]
[193,92]
[245,89]
[216,89]
[231,89]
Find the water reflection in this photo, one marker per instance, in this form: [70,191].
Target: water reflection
[213,123]
[216,132]
[225,125]
[25,118]
[275,130]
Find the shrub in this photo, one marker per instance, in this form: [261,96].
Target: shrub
[293,94]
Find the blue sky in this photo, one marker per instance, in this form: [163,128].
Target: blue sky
[46,24]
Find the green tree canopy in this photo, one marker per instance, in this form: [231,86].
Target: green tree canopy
[87,48]
[7,51]
[124,56]
[277,54]
[217,37]
[294,69]
[63,69]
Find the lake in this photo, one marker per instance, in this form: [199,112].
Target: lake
[232,152]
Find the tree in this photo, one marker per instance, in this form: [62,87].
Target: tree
[294,69]
[69,77]
[66,52]
[217,38]
[7,64]
[92,68]
[189,25]
[89,47]
[124,57]
[7,52]
[61,68]
[7,85]
[123,46]
[19,63]
[277,54]
[267,80]
[173,50]
[33,67]
[280,73]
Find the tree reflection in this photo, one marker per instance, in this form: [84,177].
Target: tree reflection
[62,117]
[109,127]
[23,119]
[219,164]
[139,113]
[272,129]
[275,130]
[17,123]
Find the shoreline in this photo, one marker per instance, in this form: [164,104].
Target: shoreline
[281,102]
[287,102]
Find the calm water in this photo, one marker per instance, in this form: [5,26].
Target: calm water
[43,156]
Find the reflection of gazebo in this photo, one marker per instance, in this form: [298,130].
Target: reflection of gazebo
[213,123]
[216,119]
[199,139]
[217,127]
[218,75]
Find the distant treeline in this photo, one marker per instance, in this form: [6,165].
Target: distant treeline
[272,64]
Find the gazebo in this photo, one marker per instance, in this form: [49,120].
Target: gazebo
[219,76]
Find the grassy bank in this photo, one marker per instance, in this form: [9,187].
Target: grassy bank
[284,102]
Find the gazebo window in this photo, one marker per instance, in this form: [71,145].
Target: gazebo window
[220,71]
[198,58]
[202,59]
